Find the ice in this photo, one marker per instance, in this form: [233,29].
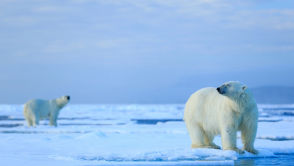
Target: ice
[131,135]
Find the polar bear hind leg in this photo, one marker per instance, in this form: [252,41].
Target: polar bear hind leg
[31,118]
[27,116]
[29,121]
[196,135]
[199,139]
[229,140]
[35,121]
[209,141]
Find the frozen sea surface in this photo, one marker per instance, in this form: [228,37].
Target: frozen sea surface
[134,135]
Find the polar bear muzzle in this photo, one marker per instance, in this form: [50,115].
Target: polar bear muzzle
[221,89]
[68,97]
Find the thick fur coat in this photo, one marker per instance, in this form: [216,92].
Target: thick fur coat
[37,109]
[223,110]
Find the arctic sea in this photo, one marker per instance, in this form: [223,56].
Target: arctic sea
[94,135]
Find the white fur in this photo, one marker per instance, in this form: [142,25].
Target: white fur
[209,113]
[37,109]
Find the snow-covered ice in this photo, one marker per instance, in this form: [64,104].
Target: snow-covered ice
[134,135]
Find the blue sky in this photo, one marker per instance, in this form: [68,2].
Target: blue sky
[141,51]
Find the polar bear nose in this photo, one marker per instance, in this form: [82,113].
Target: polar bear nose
[218,89]
[68,97]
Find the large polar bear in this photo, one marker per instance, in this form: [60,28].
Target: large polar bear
[37,109]
[223,110]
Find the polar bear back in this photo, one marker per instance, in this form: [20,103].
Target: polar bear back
[208,108]
[41,108]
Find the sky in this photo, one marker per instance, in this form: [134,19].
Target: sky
[141,51]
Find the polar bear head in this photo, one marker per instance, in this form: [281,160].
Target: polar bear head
[62,101]
[233,89]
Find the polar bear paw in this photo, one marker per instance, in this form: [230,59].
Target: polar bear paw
[239,151]
[214,146]
[251,150]
[236,150]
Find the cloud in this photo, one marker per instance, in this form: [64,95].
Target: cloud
[63,46]
[223,13]
[266,19]
[52,9]
[129,42]
[228,14]
[19,20]
[112,43]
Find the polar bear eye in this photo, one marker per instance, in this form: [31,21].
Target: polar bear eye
[228,85]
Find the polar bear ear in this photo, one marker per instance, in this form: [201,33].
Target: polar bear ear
[244,87]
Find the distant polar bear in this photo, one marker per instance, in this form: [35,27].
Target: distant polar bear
[223,110]
[36,110]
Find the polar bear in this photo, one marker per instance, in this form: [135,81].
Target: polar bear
[223,110]
[37,109]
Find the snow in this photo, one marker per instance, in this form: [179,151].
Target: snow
[130,135]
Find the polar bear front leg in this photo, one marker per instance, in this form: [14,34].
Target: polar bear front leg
[229,139]
[248,134]
[53,120]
